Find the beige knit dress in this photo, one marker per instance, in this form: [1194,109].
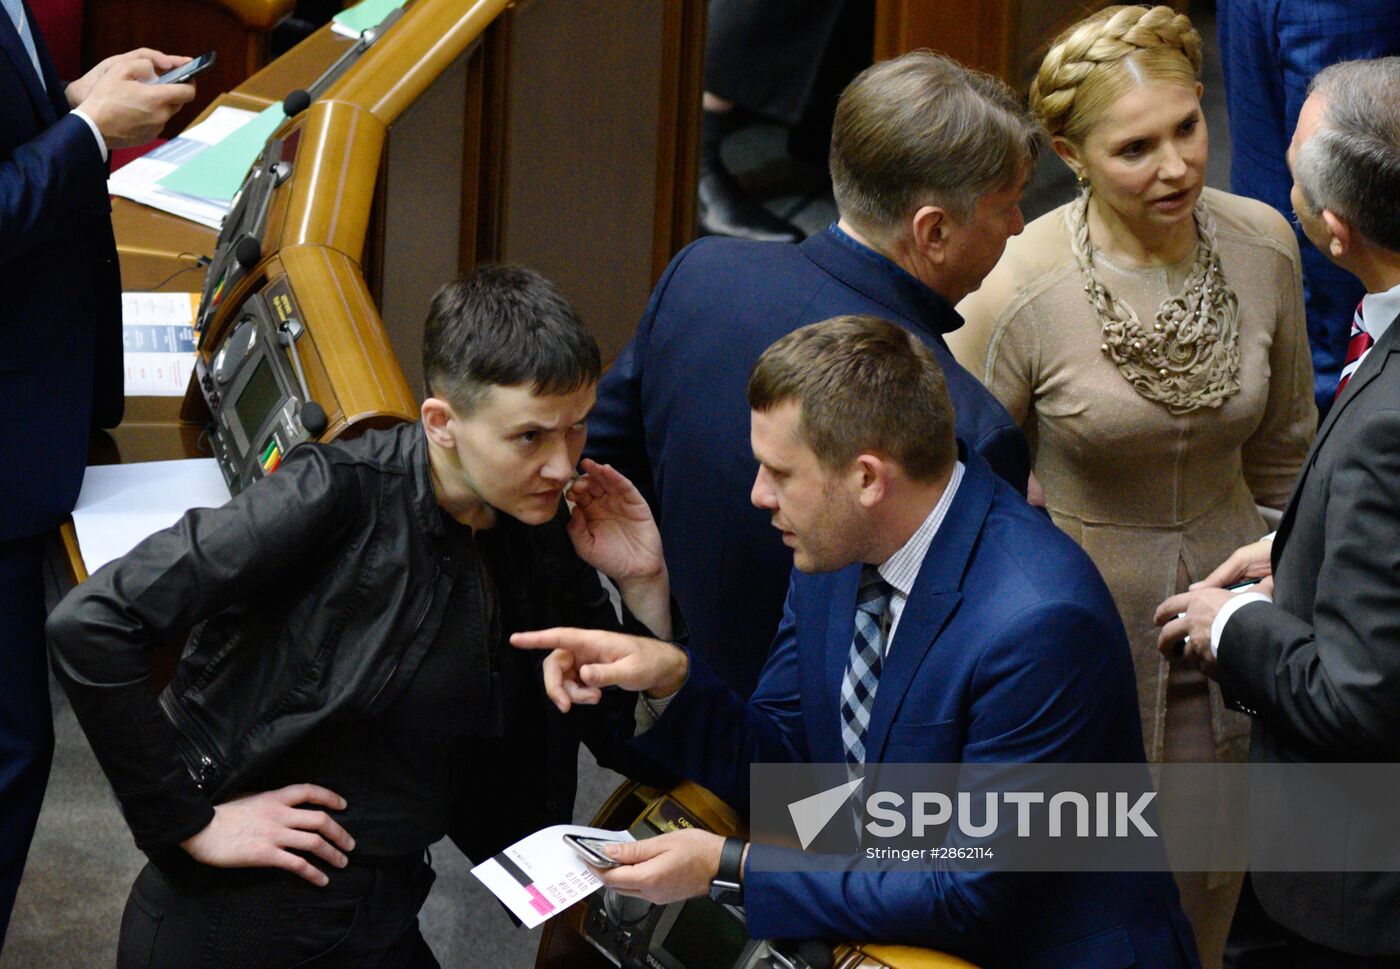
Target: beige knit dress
[1156,500]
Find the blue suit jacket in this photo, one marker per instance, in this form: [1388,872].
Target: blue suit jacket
[1270,51]
[60,297]
[1009,650]
[673,416]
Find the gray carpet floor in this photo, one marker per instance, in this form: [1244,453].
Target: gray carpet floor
[83,860]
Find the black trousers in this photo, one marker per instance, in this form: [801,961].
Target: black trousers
[26,722]
[1258,942]
[182,914]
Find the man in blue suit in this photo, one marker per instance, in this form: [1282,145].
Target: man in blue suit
[928,161]
[60,355]
[934,617]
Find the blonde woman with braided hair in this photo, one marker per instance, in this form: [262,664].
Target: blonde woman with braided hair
[1149,337]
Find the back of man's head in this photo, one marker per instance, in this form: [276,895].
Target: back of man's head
[863,385]
[1351,165]
[504,326]
[923,130]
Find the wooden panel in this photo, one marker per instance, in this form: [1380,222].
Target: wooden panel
[580,193]
[977,33]
[678,129]
[1007,38]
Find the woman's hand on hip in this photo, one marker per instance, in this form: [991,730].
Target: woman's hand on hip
[263,830]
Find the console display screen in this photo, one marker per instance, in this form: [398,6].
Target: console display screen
[260,396]
[705,935]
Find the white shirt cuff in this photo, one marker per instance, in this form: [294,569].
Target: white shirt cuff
[101,142]
[1242,598]
[649,711]
[1268,538]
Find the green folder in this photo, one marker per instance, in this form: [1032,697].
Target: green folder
[363,16]
[218,171]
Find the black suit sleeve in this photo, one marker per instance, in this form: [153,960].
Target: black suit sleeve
[1335,684]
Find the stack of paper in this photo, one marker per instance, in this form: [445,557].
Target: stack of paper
[120,504]
[140,180]
[158,342]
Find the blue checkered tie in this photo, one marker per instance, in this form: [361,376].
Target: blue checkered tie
[15,8]
[863,668]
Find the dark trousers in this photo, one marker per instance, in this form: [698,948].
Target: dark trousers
[182,914]
[26,721]
[1258,942]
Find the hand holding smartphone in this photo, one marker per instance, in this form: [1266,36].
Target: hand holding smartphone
[591,850]
[184,72]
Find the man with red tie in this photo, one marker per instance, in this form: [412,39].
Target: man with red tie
[1314,654]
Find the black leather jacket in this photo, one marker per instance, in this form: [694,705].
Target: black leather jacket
[312,595]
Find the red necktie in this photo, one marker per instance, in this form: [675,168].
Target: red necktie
[1357,346]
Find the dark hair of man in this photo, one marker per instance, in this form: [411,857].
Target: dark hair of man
[503,326]
[922,129]
[1351,165]
[863,384]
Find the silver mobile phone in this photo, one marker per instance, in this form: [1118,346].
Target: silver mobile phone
[591,850]
[184,72]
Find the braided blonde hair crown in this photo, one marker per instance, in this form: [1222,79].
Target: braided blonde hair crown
[1161,44]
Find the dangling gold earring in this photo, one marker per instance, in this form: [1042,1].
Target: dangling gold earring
[1081,182]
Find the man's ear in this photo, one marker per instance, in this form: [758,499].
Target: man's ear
[871,476]
[437,417]
[1343,236]
[929,230]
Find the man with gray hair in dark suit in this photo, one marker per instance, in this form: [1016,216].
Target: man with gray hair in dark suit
[1313,651]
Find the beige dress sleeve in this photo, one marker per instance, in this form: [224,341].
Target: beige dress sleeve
[1275,452]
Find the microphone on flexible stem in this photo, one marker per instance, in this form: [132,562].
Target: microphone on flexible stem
[295,103]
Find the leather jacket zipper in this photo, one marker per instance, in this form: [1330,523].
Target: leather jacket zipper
[398,656]
[199,760]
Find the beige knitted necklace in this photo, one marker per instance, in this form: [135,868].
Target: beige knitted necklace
[1190,356]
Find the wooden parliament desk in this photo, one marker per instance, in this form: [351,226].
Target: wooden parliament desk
[565,140]
[556,134]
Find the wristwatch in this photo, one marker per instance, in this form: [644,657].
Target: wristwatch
[727,888]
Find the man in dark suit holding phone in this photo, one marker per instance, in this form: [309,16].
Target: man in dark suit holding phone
[60,354]
[1318,664]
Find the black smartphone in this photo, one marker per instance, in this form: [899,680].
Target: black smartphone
[591,850]
[186,71]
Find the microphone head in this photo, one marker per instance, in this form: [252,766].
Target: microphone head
[248,251]
[313,418]
[296,102]
[815,954]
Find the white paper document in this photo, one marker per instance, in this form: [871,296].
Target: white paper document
[158,342]
[120,504]
[540,876]
[138,180]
